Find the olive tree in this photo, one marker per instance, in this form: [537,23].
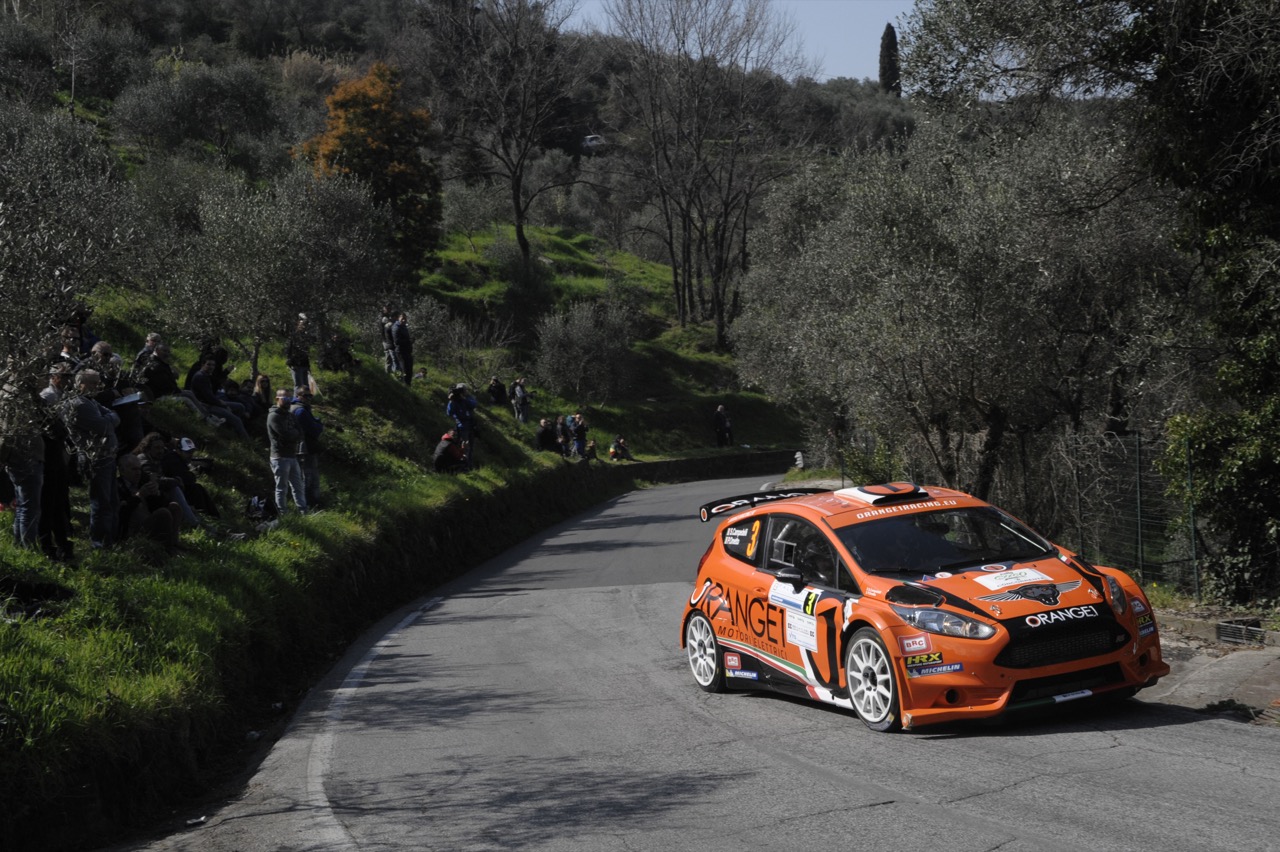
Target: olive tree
[967,297]
[584,351]
[300,244]
[66,227]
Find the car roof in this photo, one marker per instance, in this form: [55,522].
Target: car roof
[843,506]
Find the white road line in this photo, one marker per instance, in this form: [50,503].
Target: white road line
[329,833]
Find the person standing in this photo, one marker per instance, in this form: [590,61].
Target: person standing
[284,433]
[309,446]
[24,463]
[297,353]
[723,428]
[402,344]
[385,322]
[93,433]
[580,429]
[55,495]
[520,399]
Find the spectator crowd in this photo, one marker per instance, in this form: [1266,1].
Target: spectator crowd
[141,481]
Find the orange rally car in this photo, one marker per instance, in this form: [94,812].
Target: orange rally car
[909,605]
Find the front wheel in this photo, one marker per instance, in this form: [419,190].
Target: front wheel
[873,689]
[704,653]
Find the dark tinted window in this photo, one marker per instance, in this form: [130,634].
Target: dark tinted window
[946,540]
[742,540]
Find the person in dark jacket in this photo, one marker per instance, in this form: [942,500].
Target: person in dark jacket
[545,438]
[309,446]
[723,427]
[202,386]
[92,427]
[284,433]
[55,495]
[402,343]
[297,352]
[449,456]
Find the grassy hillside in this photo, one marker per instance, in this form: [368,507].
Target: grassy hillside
[129,675]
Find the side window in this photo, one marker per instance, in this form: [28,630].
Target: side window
[798,545]
[742,540]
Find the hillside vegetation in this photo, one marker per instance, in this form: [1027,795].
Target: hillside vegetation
[132,676]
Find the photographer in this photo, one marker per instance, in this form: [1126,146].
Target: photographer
[142,506]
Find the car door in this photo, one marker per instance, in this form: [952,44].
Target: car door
[801,620]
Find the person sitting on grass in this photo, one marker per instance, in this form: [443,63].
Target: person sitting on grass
[143,508]
[450,456]
[619,451]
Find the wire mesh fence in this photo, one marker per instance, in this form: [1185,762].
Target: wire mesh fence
[1122,513]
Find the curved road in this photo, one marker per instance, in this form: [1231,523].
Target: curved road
[542,702]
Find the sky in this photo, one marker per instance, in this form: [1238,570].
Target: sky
[843,36]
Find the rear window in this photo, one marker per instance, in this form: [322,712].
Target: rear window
[742,540]
[945,540]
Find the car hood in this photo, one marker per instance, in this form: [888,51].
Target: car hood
[1006,590]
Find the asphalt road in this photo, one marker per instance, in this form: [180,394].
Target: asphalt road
[542,702]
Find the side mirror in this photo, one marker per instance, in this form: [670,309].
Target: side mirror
[792,576]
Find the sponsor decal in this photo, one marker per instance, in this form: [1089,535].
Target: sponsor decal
[1042,593]
[1011,578]
[1072,696]
[917,644]
[1146,625]
[1138,606]
[926,671]
[732,661]
[991,568]
[923,659]
[910,507]
[783,595]
[734,503]
[750,620]
[742,674]
[802,630]
[1074,613]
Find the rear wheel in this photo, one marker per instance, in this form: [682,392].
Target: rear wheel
[704,653]
[873,689]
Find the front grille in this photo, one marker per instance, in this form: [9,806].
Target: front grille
[1063,647]
[1045,687]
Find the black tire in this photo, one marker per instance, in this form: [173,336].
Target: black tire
[873,686]
[704,653]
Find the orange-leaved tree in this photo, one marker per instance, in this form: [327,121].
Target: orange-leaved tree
[372,135]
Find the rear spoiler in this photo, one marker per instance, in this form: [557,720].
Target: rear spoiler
[746,501]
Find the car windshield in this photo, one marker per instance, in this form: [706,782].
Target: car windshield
[945,540]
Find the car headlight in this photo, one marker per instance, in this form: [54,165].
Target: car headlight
[945,623]
[1119,602]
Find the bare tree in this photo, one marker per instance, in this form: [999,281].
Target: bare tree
[703,84]
[503,74]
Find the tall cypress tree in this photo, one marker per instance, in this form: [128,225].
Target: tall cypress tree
[889,80]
